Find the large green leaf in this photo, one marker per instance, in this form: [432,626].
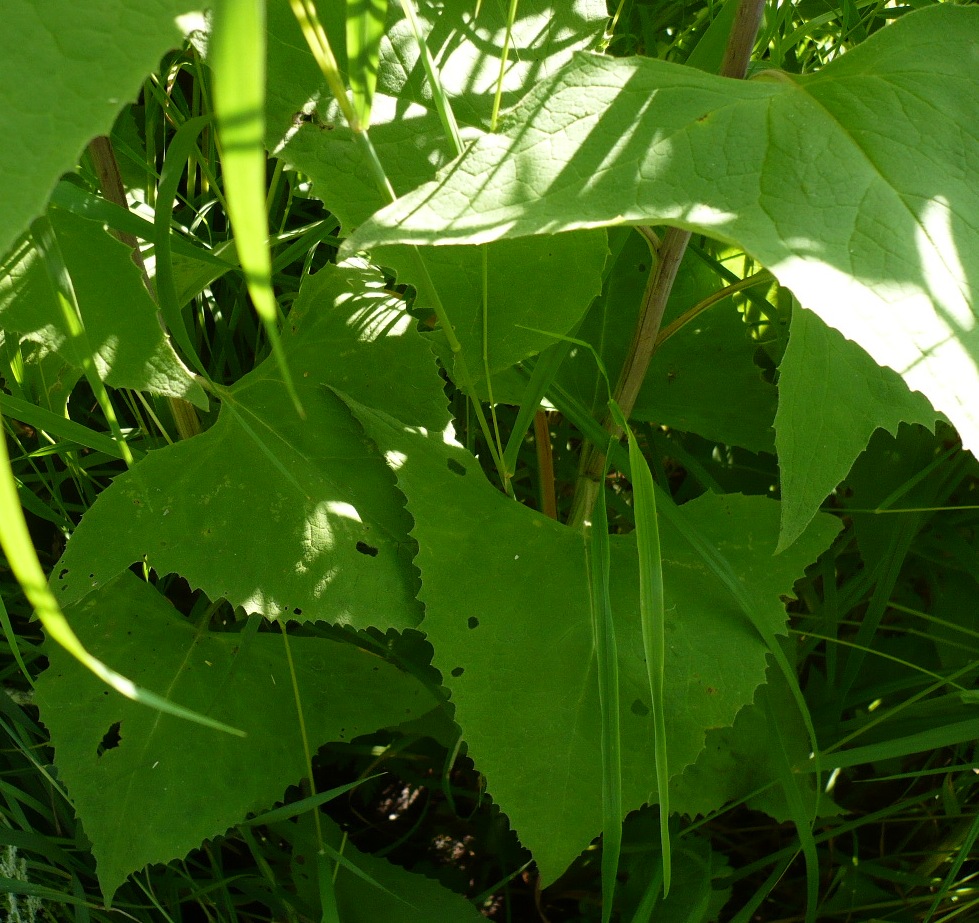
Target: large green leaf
[129,346]
[66,70]
[150,787]
[514,639]
[290,518]
[854,185]
[831,398]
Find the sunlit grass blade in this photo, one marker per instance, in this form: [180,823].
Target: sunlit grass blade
[19,550]
[652,614]
[319,45]
[365,28]
[439,96]
[57,425]
[238,59]
[607,658]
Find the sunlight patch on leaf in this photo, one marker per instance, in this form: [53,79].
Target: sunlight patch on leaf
[270,512]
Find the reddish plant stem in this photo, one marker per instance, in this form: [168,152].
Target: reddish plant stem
[669,255]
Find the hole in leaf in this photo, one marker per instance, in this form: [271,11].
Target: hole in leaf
[364,548]
[473,621]
[456,468]
[110,739]
[639,708]
[62,573]
[297,611]
[458,671]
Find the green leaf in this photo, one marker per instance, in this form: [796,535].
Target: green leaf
[831,398]
[530,284]
[130,348]
[128,768]
[818,177]
[741,761]
[289,519]
[607,670]
[514,640]
[79,80]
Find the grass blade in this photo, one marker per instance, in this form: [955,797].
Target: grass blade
[607,656]
[365,28]
[652,614]
[238,61]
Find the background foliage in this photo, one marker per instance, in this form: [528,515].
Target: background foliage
[353,523]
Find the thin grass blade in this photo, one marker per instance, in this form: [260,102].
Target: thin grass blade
[441,99]
[328,892]
[801,817]
[607,657]
[238,61]
[652,614]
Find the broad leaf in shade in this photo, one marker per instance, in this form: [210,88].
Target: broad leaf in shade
[289,518]
[150,787]
[854,185]
[66,70]
[128,344]
[742,761]
[392,895]
[529,285]
[831,398]
[528,281]
[514,640]
[703,379]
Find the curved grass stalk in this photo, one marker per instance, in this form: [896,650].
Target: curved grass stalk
[238,60]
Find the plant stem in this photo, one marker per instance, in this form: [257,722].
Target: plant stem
[669,255]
